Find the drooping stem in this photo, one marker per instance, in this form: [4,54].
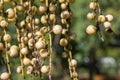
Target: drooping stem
[7,55]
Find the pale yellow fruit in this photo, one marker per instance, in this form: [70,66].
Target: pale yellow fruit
[101,18]
[5,76]
[7,37]
[40,45]
[44,19]
[4,24]
[33,61]
[19,69]
[93,5]
[62,1]
[11,13]
[73,63]
[63,6]
[107,25]
[75,74]
[1,46]
[57,29]
[63,42]
[30,68]
[91,29]
[52,17]
[28,72]
[22,23]
[44,53]
[109,17]
[52,8]
[14,47]
[13,52]
[24,51]
[20,8]
[65,14]
[45,69]
[26,61]
[42,9]
[91,16]
[37,21]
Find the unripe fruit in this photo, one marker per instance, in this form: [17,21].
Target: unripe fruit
[7,38]
[52,17]
[93,5]
[52,8]
[20,8]
[33,61]
[22,23]
[63,6]
[4,76]
[29,35]
[101,18]
[28,72]
[73,36]
[14,47]
[61,1]
[109,17]
[107,25]
[11,13]
[19,69]
[73,63]
[26,61]
[91,29]
[63,42]
[24,51]
[91,16]
[45,69]
[44,53]
[1,46]
[65,15]
[13,52]
[30,68]
[44,19]
[4,24]
[57,29]
[42,9]
[75,74]
[37,21]
[40,45]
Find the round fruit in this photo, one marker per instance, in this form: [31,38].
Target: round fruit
[57,29]
[63,42]
[26,61]
[91,16]
[13,52]
[7,37]
[44,53]
[91,29]
[107,25]
[19,69]
[73,63]
[40,45]
[45,69]
[93,5]
[4,24]
[101,18]
[4,76]
[109,17]
[24,51]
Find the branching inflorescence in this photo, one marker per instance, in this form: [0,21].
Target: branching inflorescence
[36,26]
[99,19]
